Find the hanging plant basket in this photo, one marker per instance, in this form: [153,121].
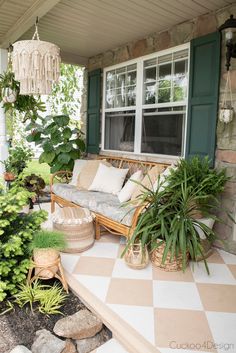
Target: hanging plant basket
[136,256]
[9,95]
[176,264]
[226,113]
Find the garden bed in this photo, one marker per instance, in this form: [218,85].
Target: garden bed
[18,326]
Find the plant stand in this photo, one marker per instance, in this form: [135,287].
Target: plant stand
[59,274]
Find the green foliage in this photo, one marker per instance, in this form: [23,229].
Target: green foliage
[63,93]
[16,232]
[168,218]
[34,183]
[61,144]
[168,212]
[29,105]
[48,298]
[203,179]
[17,159]
[45,239]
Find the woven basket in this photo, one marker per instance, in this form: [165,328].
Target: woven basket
[136,256]
[174,265]
[46,259]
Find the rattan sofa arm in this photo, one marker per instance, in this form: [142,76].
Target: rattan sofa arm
[137,213]
[61,172]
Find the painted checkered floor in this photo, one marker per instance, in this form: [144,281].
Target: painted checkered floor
[190,311]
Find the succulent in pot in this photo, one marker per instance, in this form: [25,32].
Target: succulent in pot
[45,247]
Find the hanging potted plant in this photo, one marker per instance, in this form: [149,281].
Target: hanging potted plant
[9,88]
[226,109]
[35,184]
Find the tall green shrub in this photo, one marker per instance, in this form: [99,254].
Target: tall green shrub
[16,232]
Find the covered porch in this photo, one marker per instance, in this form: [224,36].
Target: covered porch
[145,308]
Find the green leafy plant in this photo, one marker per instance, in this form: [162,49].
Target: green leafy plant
[17,159]
[48,299]
[206,181]
[34,183]
[29,105]
[46,239]
[61,144]
[16,233]
[51,299]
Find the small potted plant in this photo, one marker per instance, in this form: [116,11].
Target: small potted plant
[45,247]
[8,88]
[34,183]
[10,172]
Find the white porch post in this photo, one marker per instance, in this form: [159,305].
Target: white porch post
[3,140]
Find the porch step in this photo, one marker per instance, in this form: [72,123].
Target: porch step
[111,346]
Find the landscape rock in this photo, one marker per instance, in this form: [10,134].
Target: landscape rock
[87,345]
[82,324]
[20,349]
[70,347]
[46,342]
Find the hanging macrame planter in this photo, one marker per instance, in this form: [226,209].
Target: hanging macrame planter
[226,109]
[36,65]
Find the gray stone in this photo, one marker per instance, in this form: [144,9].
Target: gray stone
[70,347]
[87,345]
[20,349]
[46,342]
[82,324]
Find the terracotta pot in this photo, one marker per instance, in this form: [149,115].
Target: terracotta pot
[136,256]
[45,262]
[8,176]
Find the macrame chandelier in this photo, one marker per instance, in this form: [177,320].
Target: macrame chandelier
[36,64]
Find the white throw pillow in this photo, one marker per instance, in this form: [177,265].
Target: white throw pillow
[79,164]
[129,187]
[161,180]
[108,179]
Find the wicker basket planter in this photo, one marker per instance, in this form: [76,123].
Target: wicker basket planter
[136,256]
[170,266]
[45,262]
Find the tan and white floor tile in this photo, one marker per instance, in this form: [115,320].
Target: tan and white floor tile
[95,284]
[223,328]
[176,295]
[219,274]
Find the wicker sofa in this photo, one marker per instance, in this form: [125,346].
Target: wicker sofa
[106,207]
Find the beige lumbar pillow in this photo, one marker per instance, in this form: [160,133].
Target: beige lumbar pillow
[148,181]
[109,179]
[126,192]
[88,173]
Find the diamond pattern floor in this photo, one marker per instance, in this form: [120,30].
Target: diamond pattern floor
[191,311]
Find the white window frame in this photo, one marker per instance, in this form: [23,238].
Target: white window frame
[140,106]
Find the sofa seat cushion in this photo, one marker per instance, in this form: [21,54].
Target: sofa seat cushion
[106,204]
[64,190]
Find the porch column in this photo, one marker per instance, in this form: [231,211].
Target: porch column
[3,140]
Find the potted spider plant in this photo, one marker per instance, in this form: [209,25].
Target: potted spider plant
[9,88]
[168,228]
[45,247]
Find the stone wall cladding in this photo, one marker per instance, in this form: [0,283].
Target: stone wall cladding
[226,133]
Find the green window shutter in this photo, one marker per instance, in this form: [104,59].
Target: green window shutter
[203,96]
[93,111]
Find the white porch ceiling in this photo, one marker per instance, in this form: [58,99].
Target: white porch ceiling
[84,28]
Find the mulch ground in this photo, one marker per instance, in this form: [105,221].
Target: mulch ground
[19,325]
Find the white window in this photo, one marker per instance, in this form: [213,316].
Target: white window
[145,103]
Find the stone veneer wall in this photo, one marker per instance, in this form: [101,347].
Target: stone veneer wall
[226,134]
